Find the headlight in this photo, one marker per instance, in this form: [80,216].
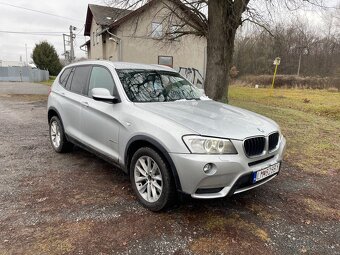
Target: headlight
[207,145]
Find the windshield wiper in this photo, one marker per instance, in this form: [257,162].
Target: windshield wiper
[187,99]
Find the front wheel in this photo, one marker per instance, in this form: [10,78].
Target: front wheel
[151,179]
[57,136]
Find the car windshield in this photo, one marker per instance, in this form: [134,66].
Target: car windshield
[156,86]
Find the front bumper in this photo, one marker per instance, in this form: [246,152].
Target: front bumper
[231,173]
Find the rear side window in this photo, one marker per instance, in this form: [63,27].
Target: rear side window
[80,78]
[69,80]
[101,78]
[64,76]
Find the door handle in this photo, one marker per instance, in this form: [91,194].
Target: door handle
[85,103]
[63,93]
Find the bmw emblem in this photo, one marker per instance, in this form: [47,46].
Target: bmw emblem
[261,130]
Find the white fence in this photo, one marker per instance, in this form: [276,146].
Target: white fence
[23,74]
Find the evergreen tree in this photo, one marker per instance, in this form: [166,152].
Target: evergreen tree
[45,57]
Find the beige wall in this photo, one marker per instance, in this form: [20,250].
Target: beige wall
[111,49]
[96,45]
[137,45]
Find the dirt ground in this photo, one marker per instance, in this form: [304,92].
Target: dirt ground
[23,88]
[78,204]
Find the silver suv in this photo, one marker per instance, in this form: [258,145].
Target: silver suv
[161,130]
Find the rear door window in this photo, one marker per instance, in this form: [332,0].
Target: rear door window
[80,79]
[69,80]
[64,76]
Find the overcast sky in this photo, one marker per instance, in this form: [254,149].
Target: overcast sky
[12,46]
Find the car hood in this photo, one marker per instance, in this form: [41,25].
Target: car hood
[210,118]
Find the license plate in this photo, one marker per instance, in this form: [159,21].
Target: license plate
[266,172]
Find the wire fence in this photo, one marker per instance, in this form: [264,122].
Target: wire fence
[23,74]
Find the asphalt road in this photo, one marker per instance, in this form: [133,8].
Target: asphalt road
[76,203]
[23,88]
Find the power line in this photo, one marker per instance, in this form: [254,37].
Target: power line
[32,33]
[81,30]
[41,12]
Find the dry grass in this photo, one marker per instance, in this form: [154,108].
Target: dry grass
[220,223]
[291,81]
[322,209]
[310,120]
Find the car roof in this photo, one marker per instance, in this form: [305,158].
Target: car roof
[124,65]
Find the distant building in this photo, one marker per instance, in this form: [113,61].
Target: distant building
[114,36]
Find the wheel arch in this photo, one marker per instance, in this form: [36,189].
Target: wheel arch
[140,141]
[54,112]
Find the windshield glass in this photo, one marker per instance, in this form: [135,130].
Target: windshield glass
[156,86]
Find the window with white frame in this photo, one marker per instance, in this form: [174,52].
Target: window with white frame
[166,61]
[156,30]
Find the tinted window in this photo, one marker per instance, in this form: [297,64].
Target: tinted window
[64,76]
[80,78]
[69,80]
[101,78]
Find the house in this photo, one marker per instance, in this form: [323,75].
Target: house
[139,36]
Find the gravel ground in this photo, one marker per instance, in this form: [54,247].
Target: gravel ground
[78,204]
[23,88]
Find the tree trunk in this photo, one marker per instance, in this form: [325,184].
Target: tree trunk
[220,46]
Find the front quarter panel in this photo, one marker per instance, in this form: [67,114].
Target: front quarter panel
[138,122]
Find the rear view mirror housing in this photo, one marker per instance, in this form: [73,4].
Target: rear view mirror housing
[102,94]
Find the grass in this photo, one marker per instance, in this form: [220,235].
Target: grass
[310,120]
[49,82]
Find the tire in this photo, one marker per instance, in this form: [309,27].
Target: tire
[149,184]
[60,145]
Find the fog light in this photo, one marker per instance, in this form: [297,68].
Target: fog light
[208,168]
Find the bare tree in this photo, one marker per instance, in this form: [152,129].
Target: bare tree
[217,20]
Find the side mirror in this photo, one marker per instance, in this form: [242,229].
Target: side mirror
[101,94]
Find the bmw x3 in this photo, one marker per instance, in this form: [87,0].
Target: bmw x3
[162,131]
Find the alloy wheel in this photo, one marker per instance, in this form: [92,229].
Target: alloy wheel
[148,179]
[55,134]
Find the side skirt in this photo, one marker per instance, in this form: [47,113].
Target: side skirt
[98,154]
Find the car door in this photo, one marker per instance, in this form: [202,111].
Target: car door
[100,126]
[71,100]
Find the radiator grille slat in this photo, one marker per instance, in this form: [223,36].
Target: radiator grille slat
[273,141]
[254,146]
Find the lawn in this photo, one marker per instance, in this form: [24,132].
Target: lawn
[310,120]
[48,82]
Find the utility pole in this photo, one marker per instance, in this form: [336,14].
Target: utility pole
[26,54]
[72,58]
[68,40]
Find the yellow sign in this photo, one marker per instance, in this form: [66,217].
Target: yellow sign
[276,63]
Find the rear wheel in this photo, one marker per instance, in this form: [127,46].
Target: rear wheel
[57,136]
[151,179]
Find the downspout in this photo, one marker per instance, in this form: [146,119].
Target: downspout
[116,39]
